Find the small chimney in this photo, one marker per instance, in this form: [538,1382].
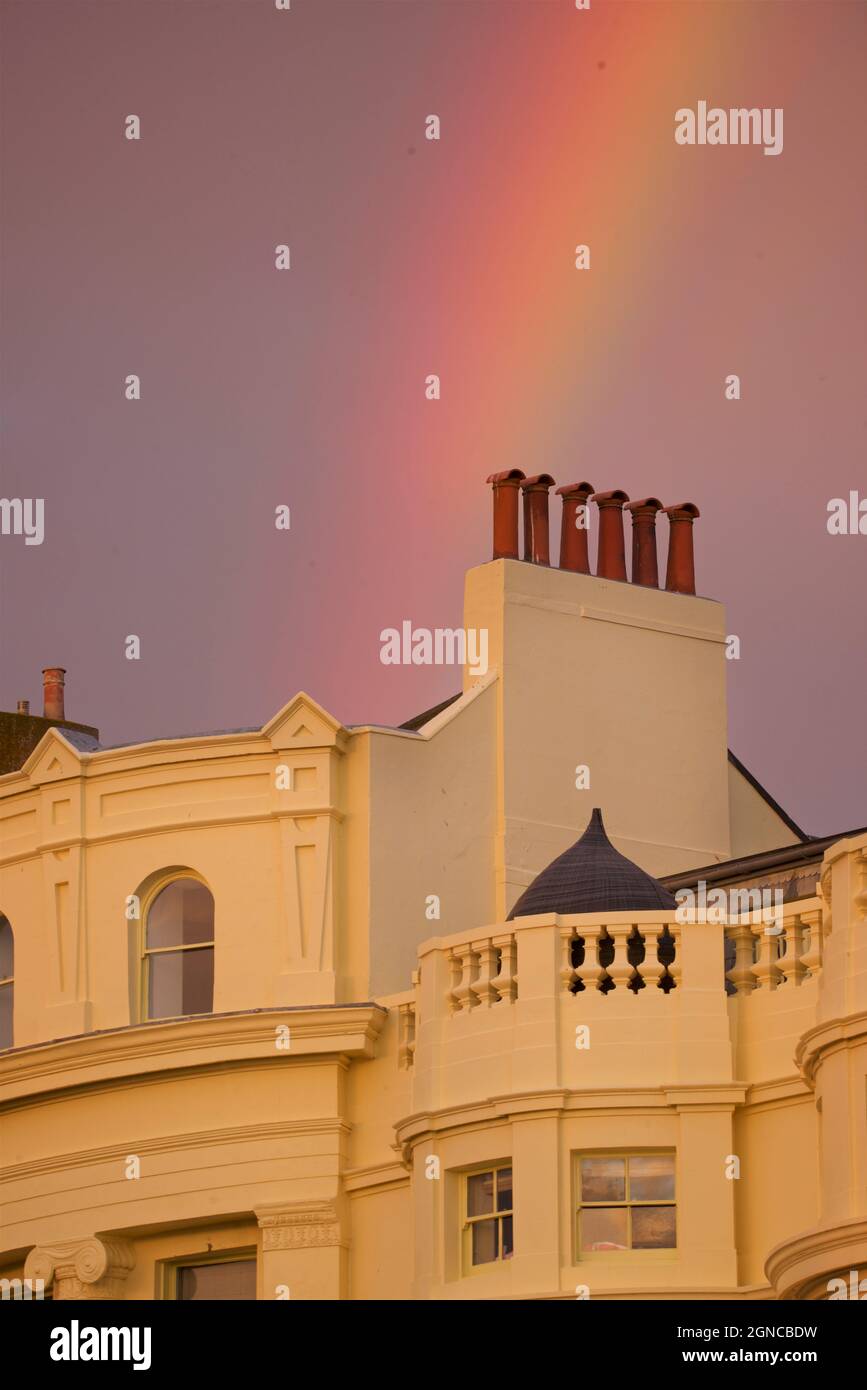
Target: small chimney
[52,692]
[535,491]
[505,487]
[645,569]
[680,573]
[23,706]
[573,539]
[611,556]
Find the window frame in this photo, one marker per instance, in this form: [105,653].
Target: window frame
[666,1252]
[169,1270]
[467,1221]
[8,982]
[145,954]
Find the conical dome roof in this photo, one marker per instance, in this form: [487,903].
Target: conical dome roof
[592,877]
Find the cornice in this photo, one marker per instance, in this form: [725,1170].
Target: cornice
[208,1040]
[777,1092]
[179,1142]
[827,1038]
[650,1100]
[812,1255]
[171,827]
[378,1177]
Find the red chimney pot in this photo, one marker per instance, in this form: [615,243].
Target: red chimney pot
[573,539]
[52,692]
[535,490]
[611,556]
[680,572]
[505,487]
[645,569]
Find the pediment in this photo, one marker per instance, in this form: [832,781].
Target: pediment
[304,724]
[52,759]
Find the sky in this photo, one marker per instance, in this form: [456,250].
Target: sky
[409,257]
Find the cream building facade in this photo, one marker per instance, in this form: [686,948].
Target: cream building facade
[272,1032]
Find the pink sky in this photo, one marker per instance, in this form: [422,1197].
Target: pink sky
[411,257]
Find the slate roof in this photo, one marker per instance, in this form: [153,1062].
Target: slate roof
[593,876]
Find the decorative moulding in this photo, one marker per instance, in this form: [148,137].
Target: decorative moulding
[88,1268]
[302,723]
[301,1226]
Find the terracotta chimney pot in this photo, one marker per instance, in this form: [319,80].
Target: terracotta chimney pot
[52,692]
[611,555]
[536,545]
[680,572]
[645,569]
[506,487]
[574,554]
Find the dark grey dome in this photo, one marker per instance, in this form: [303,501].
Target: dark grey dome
[593,877]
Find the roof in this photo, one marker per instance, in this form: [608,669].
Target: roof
[419,720]
[788,858]
[766,796]
[592,876]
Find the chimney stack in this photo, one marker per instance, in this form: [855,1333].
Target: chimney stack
[573,539]
[611,556]
[535,489]
[23,706]
[645,569]
[505,487]
[52,692]
[680,573]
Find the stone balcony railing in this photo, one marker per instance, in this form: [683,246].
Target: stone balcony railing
[768,955]
[522,1005]
[652,990]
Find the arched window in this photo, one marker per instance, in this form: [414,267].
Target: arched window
[7,981]
[179,950]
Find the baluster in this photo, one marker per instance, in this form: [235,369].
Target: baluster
[672,932]
[620,972]
[861,895]
[811,948]
[406,1043]
[742,975]
[463,963]
[790,947]
[568,975]
[506,981]
[766,970]
[483,988]
[590,972]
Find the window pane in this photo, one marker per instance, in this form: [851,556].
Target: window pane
[7,950]
[653,1228]
[504,1189]
[181,982]
[651,1178]
[480,1194]
[603,1180]
[484,1242]
[235,1280]
[506,1237]
[182,914]
[603,1228]
[6,992]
